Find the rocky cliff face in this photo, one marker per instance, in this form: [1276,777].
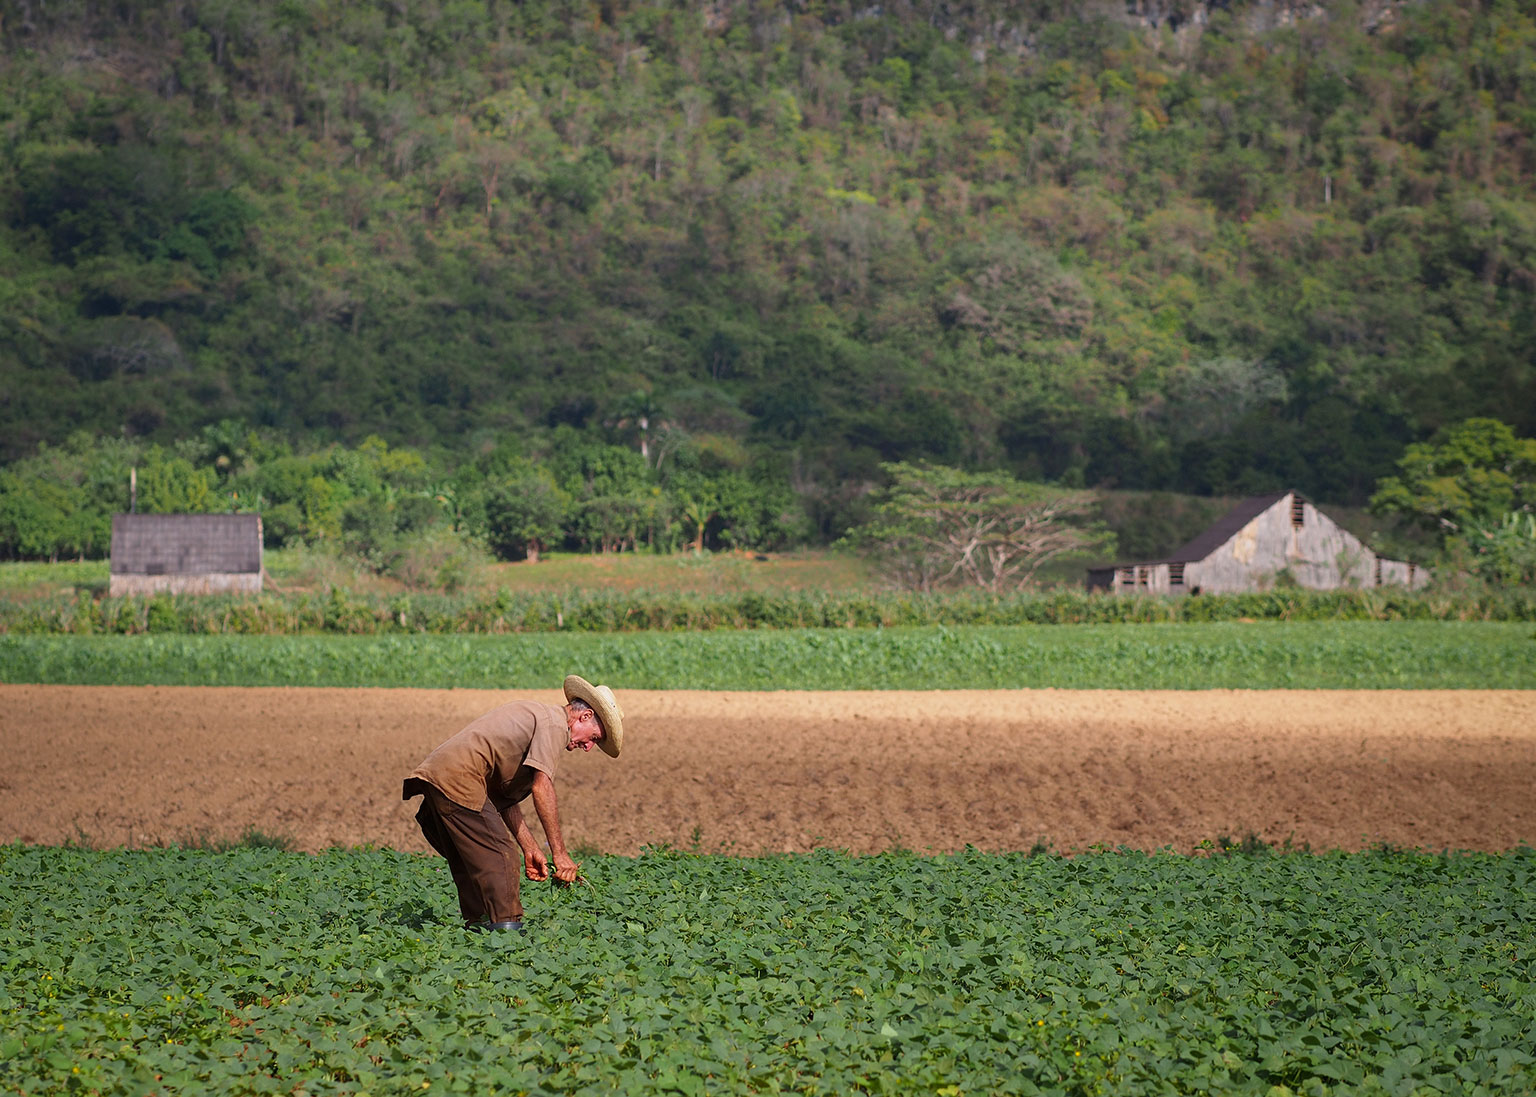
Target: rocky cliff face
[1013,28]
[1257,16]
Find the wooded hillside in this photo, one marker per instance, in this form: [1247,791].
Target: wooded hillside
[1214,255]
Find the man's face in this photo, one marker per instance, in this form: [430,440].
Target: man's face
[585,729]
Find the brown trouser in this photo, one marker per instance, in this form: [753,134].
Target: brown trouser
[479,849]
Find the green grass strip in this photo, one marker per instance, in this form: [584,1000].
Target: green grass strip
[259,971]
[1278,655]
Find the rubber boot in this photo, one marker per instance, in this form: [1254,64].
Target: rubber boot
[486,927]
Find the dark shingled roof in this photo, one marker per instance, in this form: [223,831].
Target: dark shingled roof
[185,544]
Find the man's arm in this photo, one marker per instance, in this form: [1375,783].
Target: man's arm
[549,815]
[533,857]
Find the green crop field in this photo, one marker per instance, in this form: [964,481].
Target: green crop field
[259,971]
[1269,655]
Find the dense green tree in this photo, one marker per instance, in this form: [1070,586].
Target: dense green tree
[525,511]
[1474,473]
[40,520]
[173,485]
[60,502]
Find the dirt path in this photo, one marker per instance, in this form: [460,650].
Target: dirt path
[753,772]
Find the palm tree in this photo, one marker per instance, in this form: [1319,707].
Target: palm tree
[641,409]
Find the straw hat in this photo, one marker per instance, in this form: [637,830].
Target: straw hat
[603,702]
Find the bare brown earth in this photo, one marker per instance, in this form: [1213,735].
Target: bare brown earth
[755,772]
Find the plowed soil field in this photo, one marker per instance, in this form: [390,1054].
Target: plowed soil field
[760,772]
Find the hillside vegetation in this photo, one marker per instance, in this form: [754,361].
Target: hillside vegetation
[1247,253]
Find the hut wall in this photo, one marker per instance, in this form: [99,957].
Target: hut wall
[210,582]
[1101,579]
[1400,573]
[1138,579]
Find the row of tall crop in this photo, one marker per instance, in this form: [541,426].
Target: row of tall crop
[1211,655]
[339,610]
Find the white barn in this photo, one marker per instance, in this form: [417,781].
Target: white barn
[1252,545]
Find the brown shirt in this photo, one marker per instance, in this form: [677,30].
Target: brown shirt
[495,757]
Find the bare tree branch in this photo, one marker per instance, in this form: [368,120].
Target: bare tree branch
[937,527]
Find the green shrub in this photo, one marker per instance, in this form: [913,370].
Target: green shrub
[161,615]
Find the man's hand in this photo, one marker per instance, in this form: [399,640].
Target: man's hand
[566,870]
[536,867]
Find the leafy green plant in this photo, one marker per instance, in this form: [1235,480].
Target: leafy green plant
[1504,551]
[257,970]
[250,838]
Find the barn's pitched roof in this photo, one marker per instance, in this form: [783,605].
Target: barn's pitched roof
[1226,527]
[1217,534]
[185,544]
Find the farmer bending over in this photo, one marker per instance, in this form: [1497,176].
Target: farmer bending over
[471,787]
